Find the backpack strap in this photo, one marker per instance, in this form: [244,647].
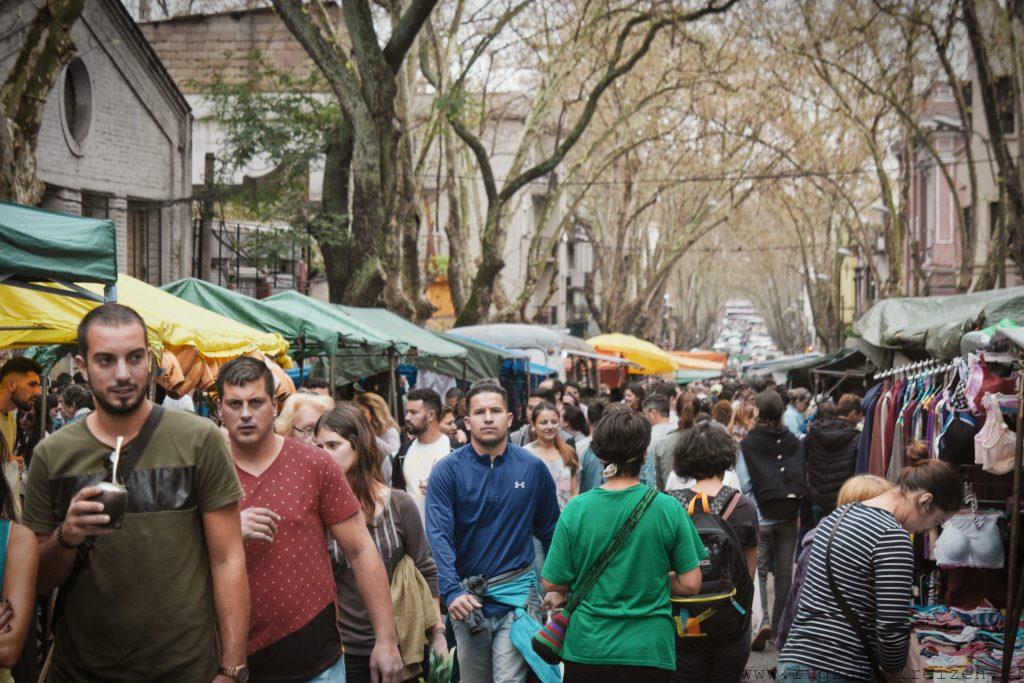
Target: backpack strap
[733,502]
[703,498]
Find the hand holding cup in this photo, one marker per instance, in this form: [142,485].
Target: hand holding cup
[86,517]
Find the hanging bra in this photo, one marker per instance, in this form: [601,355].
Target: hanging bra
[966,543]
[994,444]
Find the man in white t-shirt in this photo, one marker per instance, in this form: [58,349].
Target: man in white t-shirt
[428,444]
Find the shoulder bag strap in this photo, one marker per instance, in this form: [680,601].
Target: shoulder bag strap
[594,573]
[132,453]
[848,613]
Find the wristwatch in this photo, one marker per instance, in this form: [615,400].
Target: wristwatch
[61,541]
[238,673]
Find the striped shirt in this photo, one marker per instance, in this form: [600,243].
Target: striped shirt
[873,564]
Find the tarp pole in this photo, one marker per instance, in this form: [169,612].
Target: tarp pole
[330,370]
[392,389]
[1013,590]
[42,408]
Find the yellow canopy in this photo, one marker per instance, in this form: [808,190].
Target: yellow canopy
[36,318]
[651,359]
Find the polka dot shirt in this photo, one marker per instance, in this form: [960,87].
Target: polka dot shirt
[290,580]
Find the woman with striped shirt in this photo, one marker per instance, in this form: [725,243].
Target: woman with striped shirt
[873,567]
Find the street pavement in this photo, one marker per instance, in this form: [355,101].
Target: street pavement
[760,663]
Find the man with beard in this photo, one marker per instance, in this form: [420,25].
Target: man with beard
[485,504]
[296,497]
[164,597]
[20,388]
[415,460]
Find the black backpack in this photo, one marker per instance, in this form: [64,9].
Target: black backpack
[720,612]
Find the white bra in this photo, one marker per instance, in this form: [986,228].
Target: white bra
[964,543]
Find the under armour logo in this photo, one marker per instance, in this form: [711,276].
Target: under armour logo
[519,484]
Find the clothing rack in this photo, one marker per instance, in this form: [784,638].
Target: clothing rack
[909,368]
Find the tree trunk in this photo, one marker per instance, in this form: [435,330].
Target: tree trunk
[47,48]
[456,227]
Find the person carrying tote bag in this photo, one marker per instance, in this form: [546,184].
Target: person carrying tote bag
[623,550]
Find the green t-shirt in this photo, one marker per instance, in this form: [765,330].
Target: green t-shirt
[626,618]
[142,608]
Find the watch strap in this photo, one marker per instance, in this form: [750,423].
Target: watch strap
[61,541]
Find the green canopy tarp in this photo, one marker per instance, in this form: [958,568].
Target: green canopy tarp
[362,351]
[425,350]
[39,245]
[306,337]
[933,324]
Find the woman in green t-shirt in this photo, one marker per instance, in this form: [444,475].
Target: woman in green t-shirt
[623,629]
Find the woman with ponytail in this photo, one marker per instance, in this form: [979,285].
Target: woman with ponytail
[851,623]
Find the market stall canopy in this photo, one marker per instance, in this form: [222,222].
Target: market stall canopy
[361,351]
[38,246]
[426,350]
[514,336]
[354,334]
[190,342]
[691,375]
[782,369]
[933,324]
[651,359]
[305,336]
[484,360]
[686,360]
[1014,334]
[600,357]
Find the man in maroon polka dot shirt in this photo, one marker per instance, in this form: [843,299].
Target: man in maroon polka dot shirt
[295,495]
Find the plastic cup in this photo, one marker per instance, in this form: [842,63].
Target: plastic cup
[115,501]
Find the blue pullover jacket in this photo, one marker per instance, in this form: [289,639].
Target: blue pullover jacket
[482,517]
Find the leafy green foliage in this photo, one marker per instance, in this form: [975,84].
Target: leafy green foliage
[440,669]
[283,121]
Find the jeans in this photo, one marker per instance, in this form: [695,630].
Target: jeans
[778,542]
[489,656]
[790,672]
[720,664]
[336,674]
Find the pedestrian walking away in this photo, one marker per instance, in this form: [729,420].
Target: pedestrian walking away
[623,629]
[771,471]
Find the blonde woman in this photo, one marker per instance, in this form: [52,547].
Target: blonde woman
[299,415]
[384,426]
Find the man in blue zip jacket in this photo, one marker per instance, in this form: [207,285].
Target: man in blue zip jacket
[485,504]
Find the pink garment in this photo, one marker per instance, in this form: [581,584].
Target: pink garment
[994,445]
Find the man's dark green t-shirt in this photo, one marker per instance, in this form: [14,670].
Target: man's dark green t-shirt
[142,607]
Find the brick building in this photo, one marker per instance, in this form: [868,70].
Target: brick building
[116,137]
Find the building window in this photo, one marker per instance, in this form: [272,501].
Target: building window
[1003,87]
[76,105]
[95,205]
[142,245]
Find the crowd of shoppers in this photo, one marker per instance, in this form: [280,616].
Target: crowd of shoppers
[321,540]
